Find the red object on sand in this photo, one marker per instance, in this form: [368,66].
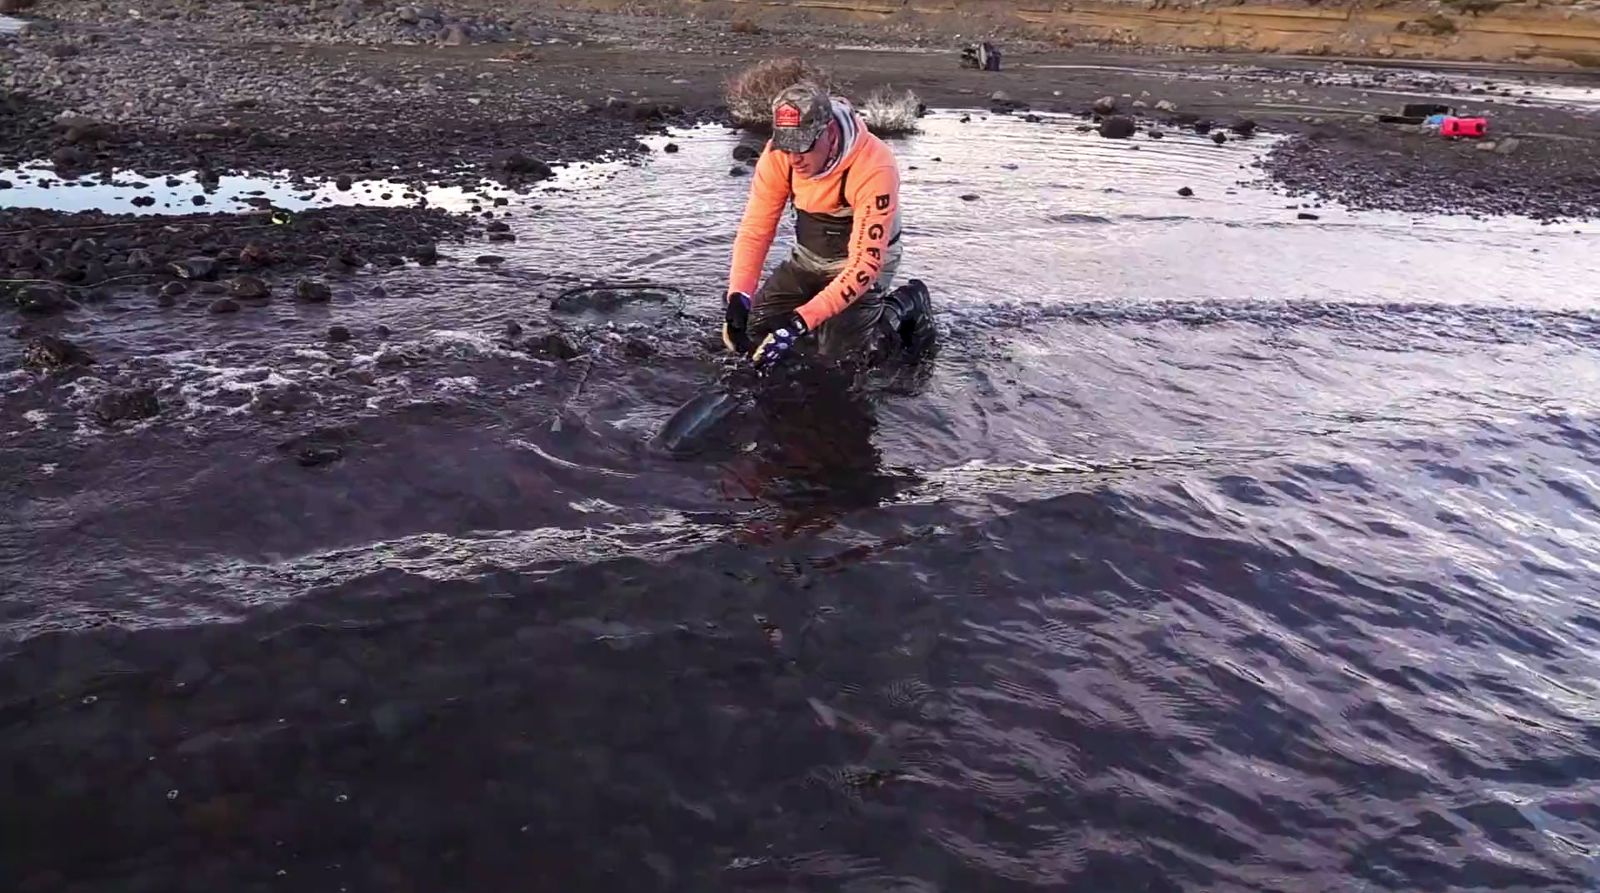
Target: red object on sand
[1464,127]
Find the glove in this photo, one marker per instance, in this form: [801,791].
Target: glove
[778,345]
[736,323]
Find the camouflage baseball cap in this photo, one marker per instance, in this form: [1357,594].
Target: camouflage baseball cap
[799,115]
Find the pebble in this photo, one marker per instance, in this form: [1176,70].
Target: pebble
[1307,215]
[1219,138]
[1105,105]
[669,148]
[338,334]
[969,197]
[224,305]
[1186,192]
[249,288]
[737,171]
[1166,105]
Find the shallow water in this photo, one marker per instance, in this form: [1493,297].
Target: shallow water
[1218,550]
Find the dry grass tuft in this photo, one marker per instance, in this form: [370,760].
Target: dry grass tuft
[891,112]
[749,93]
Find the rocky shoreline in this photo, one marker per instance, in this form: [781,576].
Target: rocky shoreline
[428,94]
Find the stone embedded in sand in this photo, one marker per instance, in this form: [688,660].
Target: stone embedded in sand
[743,152]
[139,260]
[130,405]
[1105,105]
[1166,105]
[343,183]
[1117,127]
[970,197]
[490,260]
[223,305]
[1307,215]
[338,334]
[501,237]
[1507,146]
[669,148]
[47,353]
[1156,134]
[1203,127]
[408,15]
[524,166]
[174,289]
[737,171]
[1186,192]
[1219,137]
[1247,127]
[41,297]
[498,226]
[311,291]
[513,329]
[165,300]
[426,254]
[251,288]
[454,36]
[380,330]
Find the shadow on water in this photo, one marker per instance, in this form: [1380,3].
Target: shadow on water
[1217,551]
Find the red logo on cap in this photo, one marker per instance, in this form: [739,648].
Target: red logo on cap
[786,116]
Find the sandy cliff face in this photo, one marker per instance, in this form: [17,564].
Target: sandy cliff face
[1566,33]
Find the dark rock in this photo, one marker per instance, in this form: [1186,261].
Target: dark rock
[198,200]
[969,197]
[71,158]
[746,152]
[555,345]
[338,334]
[312,291]
[454,36]
[1032,119]
[490,260]
[1203,127]
[498,226]
[6,184]
[42,298]
[249,288]
[47,353]
[195,268]
[126,406]
[1219,138]
[502,237]
[144,201]
[165,300]
[254,256]
[381,331]
[1105,105]
[1245,127]
[224,305]
[1156,134]
[524,166]
[513,329]
[139,260]
[638,348]
[1307,215]
[311,457]
[1118,127]
[670,148]
[1186,192]
[737,171]
[426,255]
[343,183]
[175,289]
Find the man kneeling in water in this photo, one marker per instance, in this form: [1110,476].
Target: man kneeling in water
[845,186]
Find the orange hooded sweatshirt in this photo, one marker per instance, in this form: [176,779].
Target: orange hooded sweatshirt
[865,180]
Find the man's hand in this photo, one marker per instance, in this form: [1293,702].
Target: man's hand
[778,345]
[736,323]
